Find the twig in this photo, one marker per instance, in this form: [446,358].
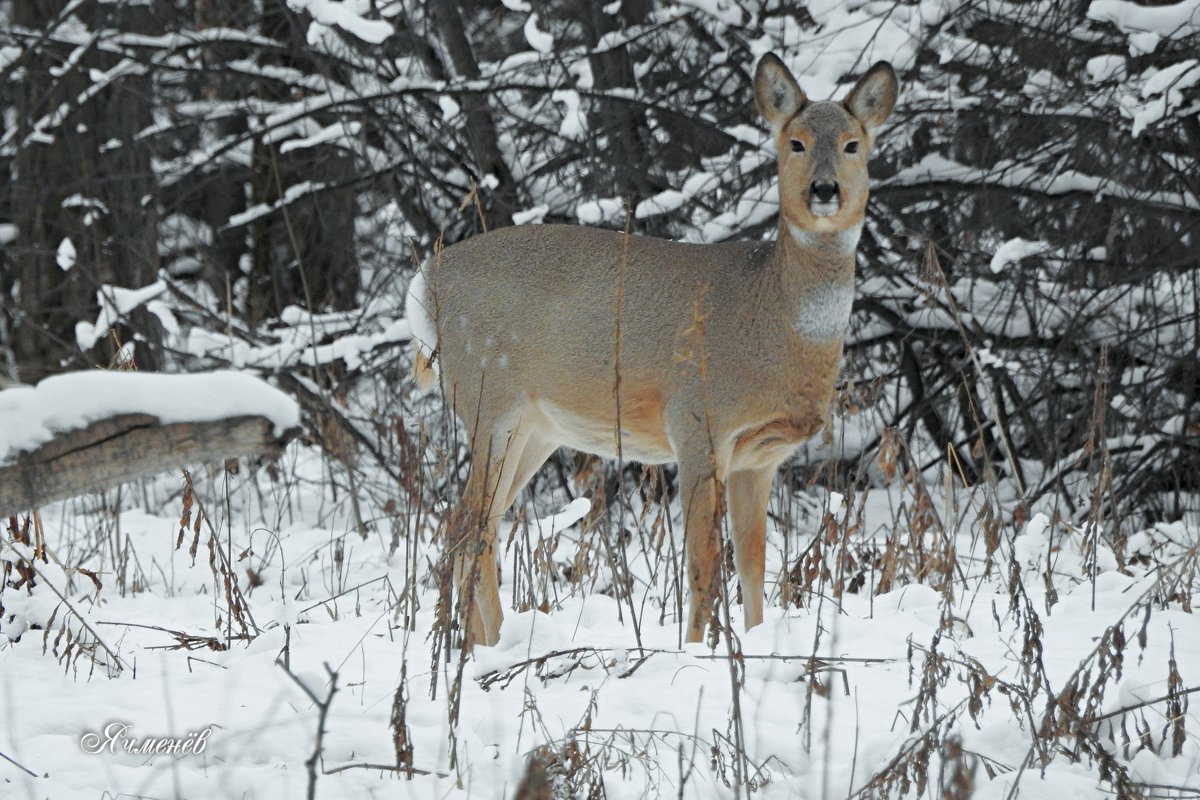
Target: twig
[1126,709]
[119,662]
[322,712]
[385,768]
[187,641]
[20,766]
[343,593]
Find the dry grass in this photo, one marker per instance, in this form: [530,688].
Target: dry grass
[393,464]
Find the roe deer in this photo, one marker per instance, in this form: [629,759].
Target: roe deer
[550,335]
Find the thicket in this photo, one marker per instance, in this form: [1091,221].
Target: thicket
[216,182]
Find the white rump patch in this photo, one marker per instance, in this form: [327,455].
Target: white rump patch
[418,307]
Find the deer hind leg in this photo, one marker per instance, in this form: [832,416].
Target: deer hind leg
[749,493]
[700,490]
[485,499]
[537,450]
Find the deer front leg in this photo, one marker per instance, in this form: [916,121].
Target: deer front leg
[701,491]
[749,493]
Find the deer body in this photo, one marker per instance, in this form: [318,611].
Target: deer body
[721,357]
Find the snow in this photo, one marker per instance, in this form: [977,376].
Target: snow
[669,200]
[93,208]
[828,59]
[1012,251]
[65,255]
[1177,21]
[1106,67]
[574,124]
[1143,42]
[32,415]
[935,167]
[294,345]
[724,10]
[661,714]
[290,195]
[331,133]
[576,510]
[538,39]
[662,203]
[1164,90]
[605,209]
[115,303]
[351,349]
[531,216]
[450,109]
[347,15]
[759,204]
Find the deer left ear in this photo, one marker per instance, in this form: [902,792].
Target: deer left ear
[874,96]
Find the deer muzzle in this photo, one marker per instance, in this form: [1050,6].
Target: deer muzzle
[823,198]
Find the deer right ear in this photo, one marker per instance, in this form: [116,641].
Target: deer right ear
[776,92]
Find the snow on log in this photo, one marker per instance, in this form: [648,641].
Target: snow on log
[86,431]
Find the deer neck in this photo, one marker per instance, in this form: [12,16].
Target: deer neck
[817,279]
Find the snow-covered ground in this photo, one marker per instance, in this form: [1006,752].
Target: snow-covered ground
[962,659]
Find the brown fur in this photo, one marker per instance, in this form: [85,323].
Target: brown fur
[727,361]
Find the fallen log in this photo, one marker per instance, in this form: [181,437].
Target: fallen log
[79,433]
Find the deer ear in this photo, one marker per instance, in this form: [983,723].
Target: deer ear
[874,96]
[776,92]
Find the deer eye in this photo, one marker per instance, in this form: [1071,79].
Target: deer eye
[851,147]
[797,146]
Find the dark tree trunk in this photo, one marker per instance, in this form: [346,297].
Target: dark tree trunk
[302,254]
[499,202]
[82,178]
[222,189]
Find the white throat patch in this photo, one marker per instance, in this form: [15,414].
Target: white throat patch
[824,310]
[835,242]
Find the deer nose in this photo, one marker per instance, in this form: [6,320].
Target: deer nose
[824,192]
